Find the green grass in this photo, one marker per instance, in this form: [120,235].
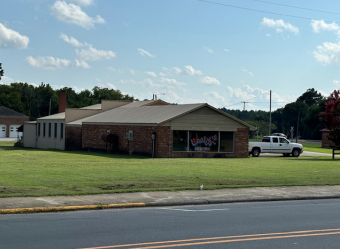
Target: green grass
[316,147]
[35,172]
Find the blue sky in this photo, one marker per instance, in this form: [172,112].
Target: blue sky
[221,52]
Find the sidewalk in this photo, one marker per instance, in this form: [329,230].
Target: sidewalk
[164,198]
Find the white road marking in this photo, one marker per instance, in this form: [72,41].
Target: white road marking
[196,210]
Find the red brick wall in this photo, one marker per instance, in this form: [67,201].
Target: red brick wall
[13,121]
[73,136]
[142,142]
[241,142]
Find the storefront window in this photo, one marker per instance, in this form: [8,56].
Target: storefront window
[226,142]
[203,141]
[180,140]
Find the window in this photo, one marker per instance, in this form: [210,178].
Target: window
[266,139]
[283,140]
[275,140]
[44,129]
[226,142]
[49,129]
[61,130]
[55,129]
[38,129]
[180,140]
[203,141]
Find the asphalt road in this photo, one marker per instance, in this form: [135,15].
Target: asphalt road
[285,224]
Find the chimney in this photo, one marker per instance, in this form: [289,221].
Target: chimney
[62,102]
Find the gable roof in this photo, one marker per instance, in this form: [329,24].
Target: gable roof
[7,112]
[148,115]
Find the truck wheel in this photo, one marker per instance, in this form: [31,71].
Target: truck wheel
[296,153]
[255,152]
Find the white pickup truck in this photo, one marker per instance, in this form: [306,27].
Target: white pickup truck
[276,145]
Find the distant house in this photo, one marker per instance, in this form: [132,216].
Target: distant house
[10,121]
[154,128]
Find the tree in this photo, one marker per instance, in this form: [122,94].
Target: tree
[331,117]
[1,71]
[310,97]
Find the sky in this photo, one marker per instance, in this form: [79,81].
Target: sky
[227,53]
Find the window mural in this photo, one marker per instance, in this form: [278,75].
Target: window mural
[206,141]
[203,141]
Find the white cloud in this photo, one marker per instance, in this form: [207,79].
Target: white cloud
[6,80]
[153,74]
[189,70]
[83,2]
[319,25]
[247,72]
[144,52]
[256,98]
[71,13]
[210,80]
[82,64]
[71,40]
[210,51]
[177,70]
[92,54]
[128,81]
[336,83]
[226,50]
[328,53]
[10,39]
[47,62]
[111,85]
[172,81]
[280,25]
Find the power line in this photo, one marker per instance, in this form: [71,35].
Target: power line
[296,7]
[261,11]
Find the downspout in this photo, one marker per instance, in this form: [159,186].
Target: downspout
[169,138]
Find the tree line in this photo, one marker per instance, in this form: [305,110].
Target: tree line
[303,115]
[34,101]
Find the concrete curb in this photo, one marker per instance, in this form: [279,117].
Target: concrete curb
[157,204]
[68,208]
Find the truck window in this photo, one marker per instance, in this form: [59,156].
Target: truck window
[283,140]
[275,140]
[265,139]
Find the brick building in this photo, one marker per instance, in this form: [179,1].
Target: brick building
[153,128]
[10,121]
[188,130]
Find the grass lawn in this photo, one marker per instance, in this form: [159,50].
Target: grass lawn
[36,172]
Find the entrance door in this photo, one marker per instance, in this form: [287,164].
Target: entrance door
[2,130]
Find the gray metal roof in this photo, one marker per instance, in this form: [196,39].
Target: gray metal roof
[141,103]
[140,115]
[58,116]
[148,115]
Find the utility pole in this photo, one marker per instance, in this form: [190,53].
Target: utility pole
[244,105]
[270,112]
